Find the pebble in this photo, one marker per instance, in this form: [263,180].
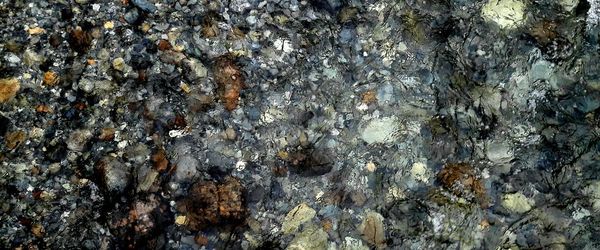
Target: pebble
[145,5]
[372,229]
[78,140]
[8,88]
[296,217]
[118,64]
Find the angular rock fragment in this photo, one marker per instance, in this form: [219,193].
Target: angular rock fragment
[312,237]
[296,217]
[113,174]
[78,139]
[8,88]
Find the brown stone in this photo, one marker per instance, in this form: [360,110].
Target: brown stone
[159,161]
[230,81]
[79,39]
[50,78]
[107,134]
[8,88]
[164,45]
[369,97]
[212,204]
[14,139]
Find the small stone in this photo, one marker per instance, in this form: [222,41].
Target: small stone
[50,78]
[132,16]
[312,237]
[186,168]
[164,45]
[35,31]
[31,58]
[118,64]
[172,57]
[371,167]
[353,244]
[507,14]
[517,202]
[78,140]
[420,172]
[14,139]
[230,134]
[159,161]
[109,25]
[195,68]
[372,229]
[383,130]
[369,97]
[212,204]
[114,174]
[107,134]
[296,217]
[37,230]
[181,220]
[144,5]
[8,88]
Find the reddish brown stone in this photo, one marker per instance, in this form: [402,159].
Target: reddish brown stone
[159,161]
[230,81]
[164,45]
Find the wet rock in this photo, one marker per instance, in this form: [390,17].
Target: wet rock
[517,202]
[50,78]
[212,204]
[113,173]
[78,139]
[145,5]
[507,14]
[14,139]
[230,81]
[186,168]
[372,230]
[461,180]
[195,68]
[312,237]
[132,16]
[296,217]
[8,89]
[383,130]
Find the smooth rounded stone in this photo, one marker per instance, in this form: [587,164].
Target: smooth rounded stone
[132,16]
[507,14]
[186,168]
[517,202]
[78,140]
[145,5]
[381,130]
[296,217]
[372,229]
[499,151]
[312,237]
